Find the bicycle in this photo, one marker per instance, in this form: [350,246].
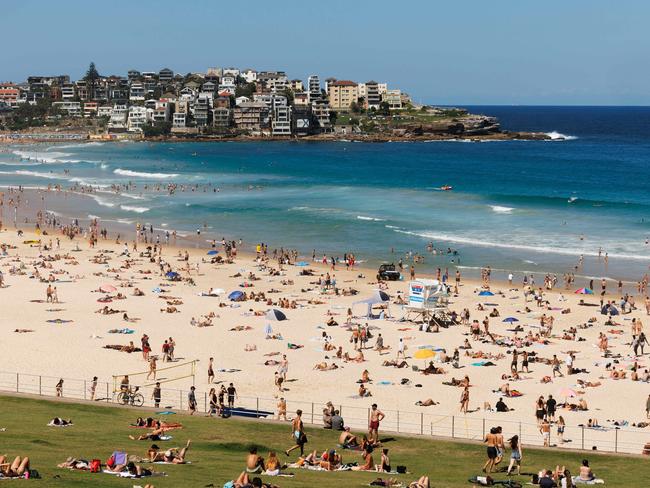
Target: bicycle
[131,397]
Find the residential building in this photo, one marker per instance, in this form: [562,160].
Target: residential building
[71,108]
[179,121]
[302,121]
[301,99]
[382,87]
[275,81]
[133,75]
[234,72]
[342,94]
[68,91]
[372,97]
[321,112]
[138,118]
[162,112]
[104,111]
[202,111]
[6,112]
[227,84]
[281,123]
[313,83]
[216,72]
[119,115]
[165,75]
[327,83]
[242,99]
[221,118]
[90,109]
[250,75]
[297,86]
[393,98]
[137,92]
[9,94]
[251,117]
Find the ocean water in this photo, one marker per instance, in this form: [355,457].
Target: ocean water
[516,205]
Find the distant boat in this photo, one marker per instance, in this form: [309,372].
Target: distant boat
[445,188]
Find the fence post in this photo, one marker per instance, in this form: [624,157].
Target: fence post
[40,378]
[312,413]
[519,431]
[421,423]
[583,436]
[180,399]
[17,383]
[205,402]
[107,396]
[84,389]
[257,406]
[616,440]
[453,426]
[484,428]
[398,421]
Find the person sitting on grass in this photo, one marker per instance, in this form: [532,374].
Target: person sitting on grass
[16,469]
[347,439]
[254,462]
[369,463]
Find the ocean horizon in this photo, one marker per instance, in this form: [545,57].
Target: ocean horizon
[517,206]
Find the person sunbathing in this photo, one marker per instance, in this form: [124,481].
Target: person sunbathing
[395,363]
[154,435]
[423,482]
[16,469]
[58,421]
[331,322]
[325,367]
[431,369]
[426,403]
[138,471]
[369,463]
[171,456]
[363,391]
[359,358]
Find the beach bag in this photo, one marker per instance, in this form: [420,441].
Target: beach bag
[95,466]
[401,469]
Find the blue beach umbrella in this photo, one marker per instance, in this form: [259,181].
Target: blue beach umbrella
[235,296]
[171,275]
[486,293]
[275,314]
[302,263]
[212,252]
[510,319]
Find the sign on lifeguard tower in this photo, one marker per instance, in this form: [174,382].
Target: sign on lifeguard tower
[425,293]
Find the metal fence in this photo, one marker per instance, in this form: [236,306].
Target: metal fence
[608,439]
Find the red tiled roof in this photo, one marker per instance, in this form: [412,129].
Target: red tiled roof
[343,83]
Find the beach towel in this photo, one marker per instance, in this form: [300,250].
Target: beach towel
[578,481]
[484,363]
[166,412]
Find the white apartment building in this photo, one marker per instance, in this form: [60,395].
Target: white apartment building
[138,118]
[118,119]
[137,92]
[250,75]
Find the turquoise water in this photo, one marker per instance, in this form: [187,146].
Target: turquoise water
[521,206]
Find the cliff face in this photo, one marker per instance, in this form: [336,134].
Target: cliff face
[465,126]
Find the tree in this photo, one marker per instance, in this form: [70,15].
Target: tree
[333,117]
[91,79]
[354,107]
[245,90]
[288,92]
[157,129]
[384,108]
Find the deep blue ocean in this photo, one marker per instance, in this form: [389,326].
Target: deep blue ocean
[516,205]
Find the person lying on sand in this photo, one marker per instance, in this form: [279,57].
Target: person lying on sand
[325,367]
[426,403]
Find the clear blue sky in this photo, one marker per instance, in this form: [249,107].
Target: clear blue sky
[446,52]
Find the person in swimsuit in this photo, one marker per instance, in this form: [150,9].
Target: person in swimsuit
[376,416]
[297,434]
[491,441]
[254,462]
[210,371]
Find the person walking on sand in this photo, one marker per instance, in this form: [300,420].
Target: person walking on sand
[297,434]
[545,430]
[59,388]
[376,416]
[400,349]
[210,371]
[152,367]
[282,409]
[464,400]
[647,407]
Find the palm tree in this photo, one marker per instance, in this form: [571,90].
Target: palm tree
[91,79]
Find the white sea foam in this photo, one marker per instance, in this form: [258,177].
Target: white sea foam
[567,251]
[50,157]
[71,146]
[391,227]
[500,209]
[130,208]
[38,174]
[142,174]
[374,219]
[558,136]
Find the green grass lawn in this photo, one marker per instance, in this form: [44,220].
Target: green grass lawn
[220,445]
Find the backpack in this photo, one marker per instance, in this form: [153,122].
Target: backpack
[95,466]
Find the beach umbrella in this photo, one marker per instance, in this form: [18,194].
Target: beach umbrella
[424,354]
[107,289]
[302,263]
[567,393]
[486,293]
[584,291]
[235,296]
[275,314]
[171,275]
[510,320]
[213,252]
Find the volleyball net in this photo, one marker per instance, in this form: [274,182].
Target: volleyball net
[145,379]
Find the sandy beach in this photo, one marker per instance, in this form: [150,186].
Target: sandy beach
[67,338]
